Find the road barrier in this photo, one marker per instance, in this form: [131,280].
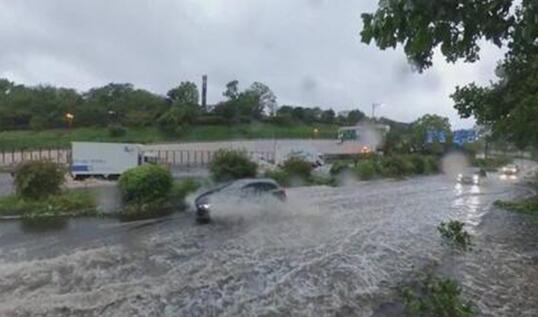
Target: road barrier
[202,158]
[14,157]
[175,158]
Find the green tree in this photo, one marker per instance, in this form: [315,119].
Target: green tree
[431,124]
[120,104]
[232,90]
[247,105]
[396,142]
[250,105]
[226,110]
[354,116]
[266,97]
[509,106]
[458,27]
[185,94]
[328,116]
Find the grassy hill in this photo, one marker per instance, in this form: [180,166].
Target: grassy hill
[26,139]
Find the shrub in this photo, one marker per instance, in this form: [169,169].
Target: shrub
[324,180]
[116,130]
[435,296]
[338,167]
[453,234]
[181,189]
[146,184]
[297,167]
[210,120]
[232,164]
[366,169]
[431,164]
[491,164]
[418,163]
[38,179]
[170,122]
[38,123]
[285,120]
[279,176]
[525,206]
[396,166]
[69,203]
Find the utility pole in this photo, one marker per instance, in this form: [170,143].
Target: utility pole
[374,106]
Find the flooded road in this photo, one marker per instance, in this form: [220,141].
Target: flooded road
[327,252]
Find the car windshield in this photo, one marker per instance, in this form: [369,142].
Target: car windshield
[269,158]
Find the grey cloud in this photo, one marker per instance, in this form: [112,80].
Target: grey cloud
[307,51]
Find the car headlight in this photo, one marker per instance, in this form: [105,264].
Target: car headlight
[205,206]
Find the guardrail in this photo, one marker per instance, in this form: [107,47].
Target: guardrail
[202,158]
[14,157]
[176,158]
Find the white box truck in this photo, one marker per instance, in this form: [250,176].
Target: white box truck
[107,160]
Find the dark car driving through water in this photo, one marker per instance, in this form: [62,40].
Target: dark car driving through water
[250,190]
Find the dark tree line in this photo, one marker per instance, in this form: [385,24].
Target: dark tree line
[121,104]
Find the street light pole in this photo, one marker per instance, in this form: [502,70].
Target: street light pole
[374,106]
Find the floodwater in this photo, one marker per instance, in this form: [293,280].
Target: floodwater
[326,252]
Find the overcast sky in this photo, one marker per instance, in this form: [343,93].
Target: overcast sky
[308,51]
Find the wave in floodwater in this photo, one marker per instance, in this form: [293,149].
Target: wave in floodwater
[326,252]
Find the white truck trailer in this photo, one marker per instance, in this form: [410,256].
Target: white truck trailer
[107,160]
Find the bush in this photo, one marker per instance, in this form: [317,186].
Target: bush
[366,169]
[338,167]
[146,184]
[170,122]
[181,189]
[38,179]
[396,166]
[232,164]
[453,234]
[38,123]
[297,167]
[210,120]
[284,120]
[279,176]
[491,164]
[69,203]
[431,164]
[435,296]
[116,130]
[419,164]
[525,206]
[323,180]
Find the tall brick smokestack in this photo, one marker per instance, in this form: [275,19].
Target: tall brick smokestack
[204,92]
